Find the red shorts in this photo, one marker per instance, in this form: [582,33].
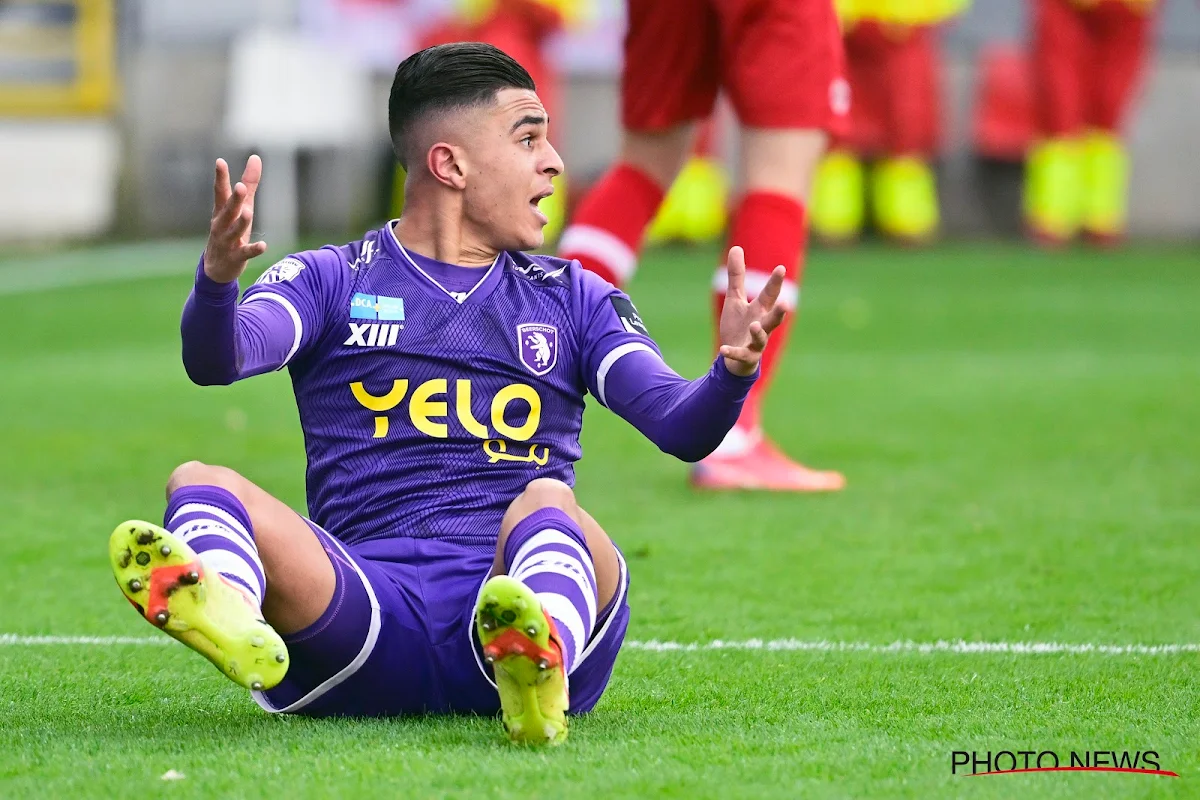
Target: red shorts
[780,62]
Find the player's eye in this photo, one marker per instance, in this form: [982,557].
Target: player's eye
[527,140]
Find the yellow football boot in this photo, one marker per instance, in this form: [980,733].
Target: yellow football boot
[1054,188]
[904,190]
[168,584]
[837,204]
[695,208]
[1105,188]
[520,642]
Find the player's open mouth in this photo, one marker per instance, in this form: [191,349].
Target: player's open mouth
[537,198]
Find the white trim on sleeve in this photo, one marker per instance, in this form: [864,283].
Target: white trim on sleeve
[292,312]
[614,355]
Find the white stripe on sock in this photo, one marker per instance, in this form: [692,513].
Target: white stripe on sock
[228,562]
[597,243]
[789,295]
[567,615]
[237,546]
[211,511]
[552,536]
[544,564]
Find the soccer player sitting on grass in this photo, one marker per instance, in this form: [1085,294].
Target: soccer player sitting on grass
[440,376]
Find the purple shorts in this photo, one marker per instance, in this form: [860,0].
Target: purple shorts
[399,636]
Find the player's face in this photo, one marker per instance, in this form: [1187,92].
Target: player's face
[512,163]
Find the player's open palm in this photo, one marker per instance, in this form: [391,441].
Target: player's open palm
[746,324]
[229,247]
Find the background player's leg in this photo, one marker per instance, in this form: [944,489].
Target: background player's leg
[668,82]
[238,526]
[606,233]
[1121,33]
[782,65]
[905,189]
[1054,166]
[769,224]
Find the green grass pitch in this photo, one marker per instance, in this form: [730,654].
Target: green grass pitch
[1021,434]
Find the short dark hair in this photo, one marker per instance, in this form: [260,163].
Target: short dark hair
[448,76]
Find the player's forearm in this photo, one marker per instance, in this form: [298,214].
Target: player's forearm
[224,342]
[687,419]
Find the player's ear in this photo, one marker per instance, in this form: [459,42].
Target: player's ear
[447,165]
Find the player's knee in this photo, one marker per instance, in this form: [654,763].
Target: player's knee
[197,473]
[549,493]
[539,493]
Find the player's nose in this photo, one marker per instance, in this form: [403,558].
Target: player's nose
[552,163]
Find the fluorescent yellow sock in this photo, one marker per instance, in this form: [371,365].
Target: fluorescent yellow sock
[694,209]
[905,199]
[1106,184]
[836,211]
[1053,199]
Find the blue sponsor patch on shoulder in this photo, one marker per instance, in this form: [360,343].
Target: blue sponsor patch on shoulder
[381,307]
[362,306]
[391,308]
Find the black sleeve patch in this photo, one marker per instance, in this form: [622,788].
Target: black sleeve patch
[631,320]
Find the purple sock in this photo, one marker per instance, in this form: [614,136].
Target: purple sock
[548,553]
[215,524]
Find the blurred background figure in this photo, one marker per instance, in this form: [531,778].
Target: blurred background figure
[112,112]
[1087,58]
[780,63]
[696,208]
[884,162]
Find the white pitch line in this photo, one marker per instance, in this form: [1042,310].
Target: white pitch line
[777,645]
[958,647]
[16,640]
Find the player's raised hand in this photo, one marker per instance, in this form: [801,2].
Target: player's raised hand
[229,247]
[745,325]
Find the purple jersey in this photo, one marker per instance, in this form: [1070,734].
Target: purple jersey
[430,395]
[427,405]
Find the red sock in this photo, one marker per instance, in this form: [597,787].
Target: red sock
[606,233]
[772,229]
